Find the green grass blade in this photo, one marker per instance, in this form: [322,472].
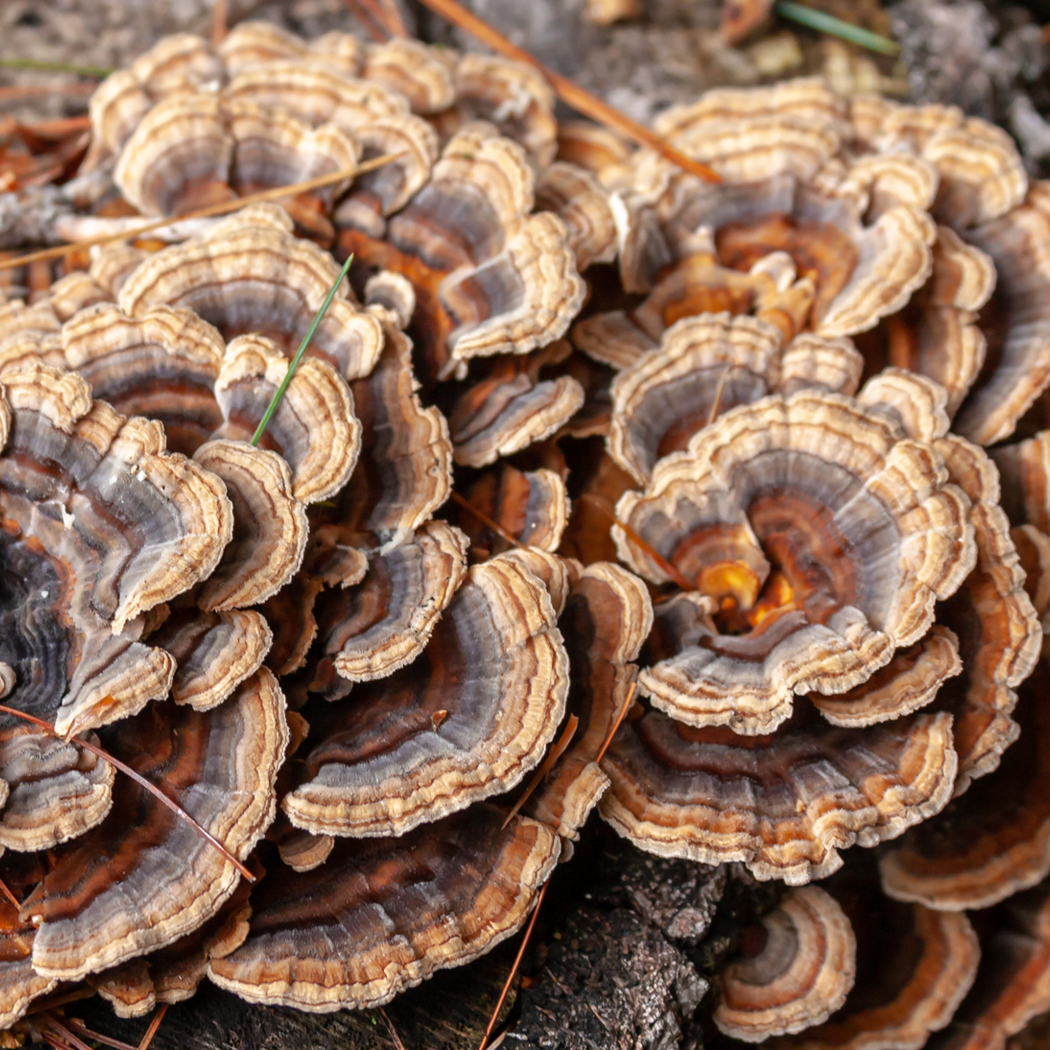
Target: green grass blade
[54,67]
[825,23]
[279,393]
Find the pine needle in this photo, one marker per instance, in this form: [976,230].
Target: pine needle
[64,1033]
[669,568]
[97,1037]
[300,353]
[6,891]
[486,520]
[548,764]
[222,208]
[513,969]
[140,780]
[821,21]
[617,722]
[153,1026]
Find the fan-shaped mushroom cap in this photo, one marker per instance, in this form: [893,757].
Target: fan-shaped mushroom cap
[381,915]
[800,473]
[172,974]
[1013,980]
[998,627]
[980,171]
[1017,365]
[802,973]
[125,525]
[591,146]
[172,366]
[746,134]
[510,407]
[386,620]
[162,366]
[937,333]
[505,283]
[512,95]
[176,64]
[910,681]
[315,94]
[606,619]
[551,570]
[1024,469]
[20,984]
[784,804]
[532,506]
[413,146]
[467,720]
[705,366]
[415,70]
[914,967]
[404,472]
[583,204]
[111,265]
[221,767]
[194,150]
[75,292]
[53,790]
[314,428]
[248,274]
[302,851]
[992,841]
[215,652]
[250,44]
[269,526]
[328,562]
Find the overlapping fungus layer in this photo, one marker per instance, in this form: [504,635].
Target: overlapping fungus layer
[598,486]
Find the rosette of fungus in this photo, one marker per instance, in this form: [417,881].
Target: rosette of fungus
[102,527]
[913,967]
[892,224]
[489,277]
[784,522]
[455,885]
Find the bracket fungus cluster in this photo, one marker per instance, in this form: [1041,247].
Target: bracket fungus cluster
[721,508]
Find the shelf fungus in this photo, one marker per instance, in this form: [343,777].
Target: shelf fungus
[514,96]
[510,403]
[528,507]
[101,525]
[1013,980]
[503,282]
[819,536]
[914,967]
[797,972]
[171,366]
[584,205]
[192,151]
[696,248]
[466,720]
[991,842]
[455,886]
[404,471]
[707,365]
[381,915]
[785,804]
[249,275]
[143,878]
[384,622]
[173,974]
